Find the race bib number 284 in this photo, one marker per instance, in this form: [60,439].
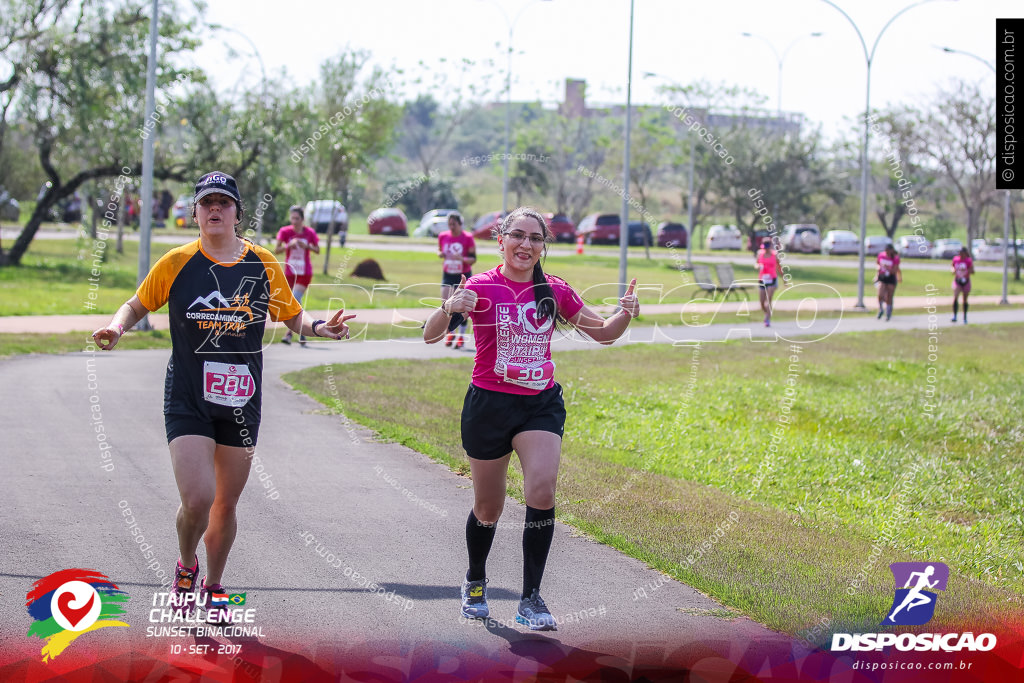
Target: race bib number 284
[227,385]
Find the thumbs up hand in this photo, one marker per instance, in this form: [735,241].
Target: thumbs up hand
[462,301]
[629,301]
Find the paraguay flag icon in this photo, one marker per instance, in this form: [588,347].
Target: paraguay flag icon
[69,603]
[914,602]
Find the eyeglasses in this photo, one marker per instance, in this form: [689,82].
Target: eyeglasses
[518,236]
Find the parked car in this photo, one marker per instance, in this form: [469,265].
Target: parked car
[562,229]
[672,235]
[433,223]
[946,248]
[9,208]
[804,237]
[724,237]
[638,232]
[387,221]
[320,212]
[876,244]
[840,242]
[599,228]
[983,250]
[914,246]
[486,225]
[756,239]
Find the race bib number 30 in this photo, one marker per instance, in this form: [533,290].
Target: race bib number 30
[227,385]
[532,376]
[297,261]
[453,266]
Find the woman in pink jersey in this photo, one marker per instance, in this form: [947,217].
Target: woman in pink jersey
[768,278]
[296,241]
[457,249]
[888,276]
[513,402]
[963,268]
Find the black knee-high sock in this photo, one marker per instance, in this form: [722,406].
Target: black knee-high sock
[965,310]
[479,537]
[540,529]
[956,307]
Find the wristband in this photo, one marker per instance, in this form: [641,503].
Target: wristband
[121,328]
[315,323]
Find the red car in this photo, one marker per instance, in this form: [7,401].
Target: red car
[672,235]
[485,226]
[387,222]
[600,228]
[562,229]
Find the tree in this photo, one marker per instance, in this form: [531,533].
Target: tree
[958,135]
[80,85]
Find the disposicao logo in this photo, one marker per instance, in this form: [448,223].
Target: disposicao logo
[69,603]
[913,605]
[915,602]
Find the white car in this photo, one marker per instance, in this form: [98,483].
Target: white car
[805,237]
[840,242]
[914,246]
[946,248]
[433,223]
[321,212]
[876,244]
[987,251]
[724,237]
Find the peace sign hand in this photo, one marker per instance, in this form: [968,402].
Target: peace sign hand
[335,328]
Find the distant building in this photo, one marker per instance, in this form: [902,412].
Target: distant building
[574,105]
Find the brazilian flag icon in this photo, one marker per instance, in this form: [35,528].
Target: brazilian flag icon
[237,598]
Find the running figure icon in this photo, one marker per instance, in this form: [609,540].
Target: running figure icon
[915,597]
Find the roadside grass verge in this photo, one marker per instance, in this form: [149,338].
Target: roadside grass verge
[54,279]
[664,444]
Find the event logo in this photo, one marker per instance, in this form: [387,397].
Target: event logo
[69,603]
[913,604]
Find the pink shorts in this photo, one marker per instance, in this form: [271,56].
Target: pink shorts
[303,280]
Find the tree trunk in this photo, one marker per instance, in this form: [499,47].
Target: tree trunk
[121,211]
[95,206]
[13,256]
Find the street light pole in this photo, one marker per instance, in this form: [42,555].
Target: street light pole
[780,60]
[868,58]
[1006,199]
[263,102]
[146,217]
[511,25]
[624,220]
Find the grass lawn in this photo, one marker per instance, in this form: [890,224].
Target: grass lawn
[69,342]
[655,462]
[54,279]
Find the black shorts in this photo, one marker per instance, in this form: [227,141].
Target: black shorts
[765,285]
[226,432]
[491,418]
[453,279]
[889,279]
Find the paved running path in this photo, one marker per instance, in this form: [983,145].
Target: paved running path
[50,324]
[341,504]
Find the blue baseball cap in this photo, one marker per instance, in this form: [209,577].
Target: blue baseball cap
[216,182]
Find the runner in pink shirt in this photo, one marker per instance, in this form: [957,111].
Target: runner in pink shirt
[768,278]
[296,241]
[963,268]
[457,248]
[513,402]
[888,275]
